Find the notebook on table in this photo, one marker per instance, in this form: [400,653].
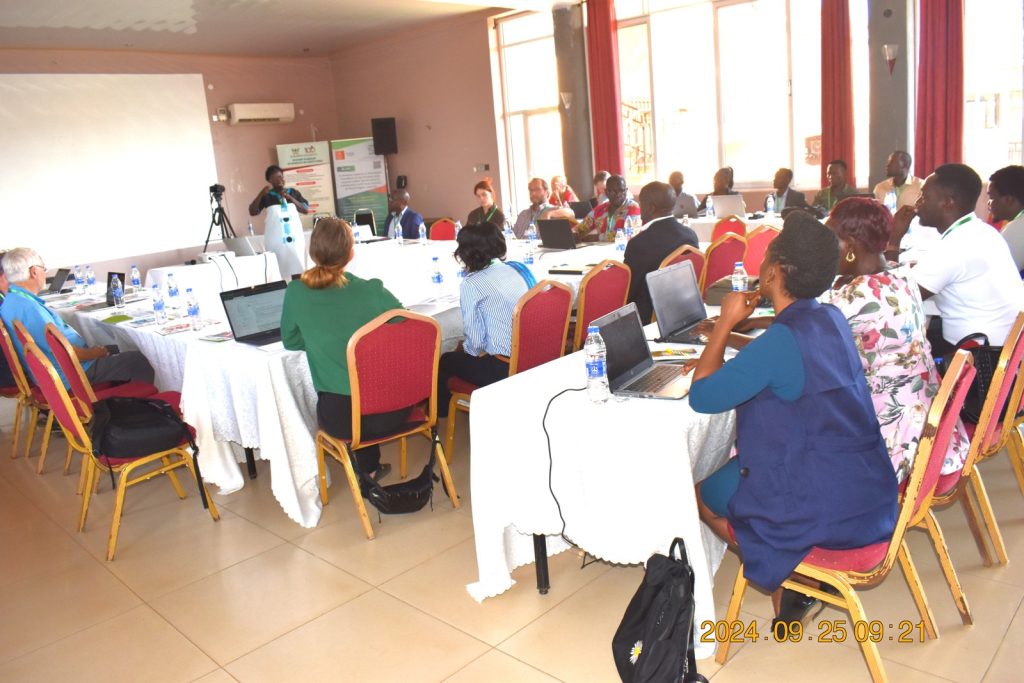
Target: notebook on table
[677,303]
[632,371]
[254,313]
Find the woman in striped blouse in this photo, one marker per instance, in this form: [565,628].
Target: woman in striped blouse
[487,297]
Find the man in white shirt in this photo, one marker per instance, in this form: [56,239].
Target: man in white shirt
[1006,203]
[686,203]
[899,181]
[969,273]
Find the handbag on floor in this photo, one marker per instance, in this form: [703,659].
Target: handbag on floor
[402,498]
[654,642]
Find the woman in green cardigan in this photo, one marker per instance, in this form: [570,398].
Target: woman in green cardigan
[322,311]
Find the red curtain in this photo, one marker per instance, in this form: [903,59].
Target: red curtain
[605,101]
[939,137]
[836,87]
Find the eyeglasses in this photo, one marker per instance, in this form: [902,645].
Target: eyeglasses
[37,265]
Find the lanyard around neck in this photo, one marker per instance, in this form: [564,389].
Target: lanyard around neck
[490,213]
[949,231]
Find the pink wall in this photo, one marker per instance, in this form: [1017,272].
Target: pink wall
[436,82]
[241,152]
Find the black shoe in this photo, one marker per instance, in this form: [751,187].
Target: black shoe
[796,606]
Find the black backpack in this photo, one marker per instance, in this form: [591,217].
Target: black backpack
[654,642]
[125,427]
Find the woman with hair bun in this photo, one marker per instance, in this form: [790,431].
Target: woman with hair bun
[321,312]
[488,211]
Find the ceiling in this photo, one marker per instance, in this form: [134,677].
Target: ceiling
[231,27]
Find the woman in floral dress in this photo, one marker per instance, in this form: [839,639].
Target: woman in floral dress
[885,315]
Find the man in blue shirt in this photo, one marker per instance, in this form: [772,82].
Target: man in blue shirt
[27,276]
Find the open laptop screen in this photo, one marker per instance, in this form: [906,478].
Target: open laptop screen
[676,297]
[255,310]
[624,343]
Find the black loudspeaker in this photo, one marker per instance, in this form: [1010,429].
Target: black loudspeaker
[385,138]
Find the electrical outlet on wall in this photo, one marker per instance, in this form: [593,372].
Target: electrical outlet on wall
[480,168]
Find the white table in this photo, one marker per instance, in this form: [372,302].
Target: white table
[222,273]
[623,472]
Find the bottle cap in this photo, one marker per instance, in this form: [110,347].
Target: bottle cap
[739,263]
[188,290]
[593,328]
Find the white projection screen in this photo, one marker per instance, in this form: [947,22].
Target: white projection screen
[104,166]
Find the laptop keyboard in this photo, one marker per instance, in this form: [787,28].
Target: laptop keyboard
[653,381]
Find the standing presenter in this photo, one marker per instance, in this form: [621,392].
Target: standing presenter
[282,231]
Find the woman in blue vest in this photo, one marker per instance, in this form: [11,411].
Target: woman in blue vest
[812,468]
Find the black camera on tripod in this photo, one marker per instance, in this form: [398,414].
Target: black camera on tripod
[217,191]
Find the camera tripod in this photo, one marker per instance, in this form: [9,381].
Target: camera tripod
[220,220]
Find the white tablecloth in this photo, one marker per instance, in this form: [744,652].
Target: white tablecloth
[223,273]
[623,473]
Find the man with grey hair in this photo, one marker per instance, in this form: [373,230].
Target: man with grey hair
[27,277]
[539,208]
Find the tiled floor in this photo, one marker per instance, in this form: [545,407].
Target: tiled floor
[257,598]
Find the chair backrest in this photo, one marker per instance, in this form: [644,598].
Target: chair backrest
[685,253]
[721,257]
[603,289]
[757,246]
[383,380]
[990,428]
[82,394]
[57,398]
[14,362]
[931,451]
[540,323]
[733,224]
[938,429]
[442,229]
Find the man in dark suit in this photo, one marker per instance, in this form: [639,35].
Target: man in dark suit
[785,196]
[400,214]
[663,235]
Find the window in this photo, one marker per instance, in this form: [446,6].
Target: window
[993,76]
[637,111]
[529,83]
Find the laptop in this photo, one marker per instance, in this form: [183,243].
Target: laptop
[580,209]
[556,233]
[677,302]
[244,246]
[730,205]
[254,313]
[631,368]
[58,282]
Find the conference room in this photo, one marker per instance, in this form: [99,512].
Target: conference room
[267,180]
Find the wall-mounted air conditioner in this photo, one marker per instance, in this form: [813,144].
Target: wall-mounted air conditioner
[267,112]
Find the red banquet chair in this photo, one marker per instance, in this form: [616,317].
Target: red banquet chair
[152,465]
[442,229]
[757,246]
[540,323]
[382,382]
[733,224]
[845,570]
[84,395]
[721,258]
[603,289]
[28,397]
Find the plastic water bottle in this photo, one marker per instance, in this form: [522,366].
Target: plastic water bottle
[531,243]
[630,226]
[435,271]
[173,300]
[252,232]
[739,278]
[423,234]
[620,240]
[508,232]
[117,291]
[399,236]
[79,280]
[597,370]
[136,280]
[90,280]
[159,308]
[769,204]
[458,229]
[710,204]
[890,201]
[193,309]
